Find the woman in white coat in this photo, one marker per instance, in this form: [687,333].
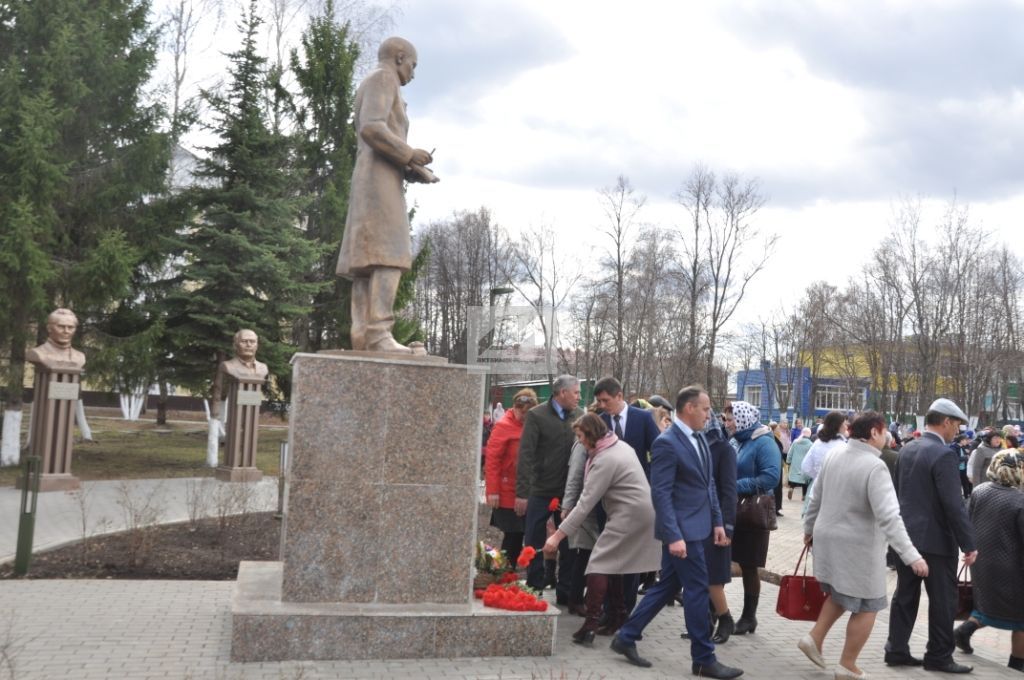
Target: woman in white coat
[853,513]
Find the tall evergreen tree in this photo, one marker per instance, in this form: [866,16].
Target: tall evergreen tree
[80,150]
[246,254]
[326,149]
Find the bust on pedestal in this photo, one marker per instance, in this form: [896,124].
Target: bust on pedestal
[244,378]
[58,368]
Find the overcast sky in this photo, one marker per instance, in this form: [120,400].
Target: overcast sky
[838,108]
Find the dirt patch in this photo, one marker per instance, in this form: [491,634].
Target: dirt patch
[207,551]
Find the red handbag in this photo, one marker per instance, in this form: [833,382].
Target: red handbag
[800,597]
[964,594]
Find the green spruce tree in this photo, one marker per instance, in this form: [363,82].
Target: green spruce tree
[326,149]
[80,152]
[246,254]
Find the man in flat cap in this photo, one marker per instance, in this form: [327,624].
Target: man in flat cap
[928,486]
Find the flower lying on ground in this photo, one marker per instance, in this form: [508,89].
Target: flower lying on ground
[510,597]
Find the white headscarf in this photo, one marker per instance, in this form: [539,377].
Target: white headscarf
[746,414]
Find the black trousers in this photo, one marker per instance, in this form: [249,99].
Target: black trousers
[940,584]
[537,515]
[965,484]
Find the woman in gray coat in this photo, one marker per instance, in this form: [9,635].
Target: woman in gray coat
[612,476]
[852,514]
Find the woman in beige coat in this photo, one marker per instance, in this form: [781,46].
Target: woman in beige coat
[614,477]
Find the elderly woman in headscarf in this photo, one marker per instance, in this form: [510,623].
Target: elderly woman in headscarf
[997,512]
[758,471]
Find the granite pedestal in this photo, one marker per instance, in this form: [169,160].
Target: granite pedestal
[380,523]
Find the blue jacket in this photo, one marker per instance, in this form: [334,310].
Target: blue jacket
[682,490]
[758,464]
[641,431]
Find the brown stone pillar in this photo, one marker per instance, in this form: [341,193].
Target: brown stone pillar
[243,425]
[55,394]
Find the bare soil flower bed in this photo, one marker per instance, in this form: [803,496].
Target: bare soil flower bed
[205,551]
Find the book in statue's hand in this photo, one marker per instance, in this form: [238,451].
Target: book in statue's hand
[420,173]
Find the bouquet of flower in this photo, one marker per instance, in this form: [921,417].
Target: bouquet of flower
[491,564]
[510,596]
[490,560]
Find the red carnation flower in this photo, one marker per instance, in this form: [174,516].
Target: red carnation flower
[553,505]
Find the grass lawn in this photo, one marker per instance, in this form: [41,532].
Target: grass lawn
[140,449]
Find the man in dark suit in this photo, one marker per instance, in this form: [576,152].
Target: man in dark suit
[541,471]
[633,425]
[686,514]
[928,486]
[636,427]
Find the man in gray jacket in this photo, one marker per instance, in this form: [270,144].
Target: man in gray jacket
[541,471]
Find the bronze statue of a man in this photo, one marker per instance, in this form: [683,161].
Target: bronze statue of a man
[244,365]
[376,247]
[57,353]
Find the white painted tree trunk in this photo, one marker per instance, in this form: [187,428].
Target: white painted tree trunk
[213,436]
[212,442]
[10,447]
[131,405]
[83,424]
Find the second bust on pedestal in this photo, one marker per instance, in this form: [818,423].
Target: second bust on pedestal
[376,247]
[244,365]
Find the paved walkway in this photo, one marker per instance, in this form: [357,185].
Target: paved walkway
[178,629]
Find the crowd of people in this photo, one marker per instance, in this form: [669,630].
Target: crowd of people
[661,498]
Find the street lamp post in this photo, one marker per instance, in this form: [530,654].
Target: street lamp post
[495,292]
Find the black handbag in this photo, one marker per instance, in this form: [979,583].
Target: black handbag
[756,512]
[964,594]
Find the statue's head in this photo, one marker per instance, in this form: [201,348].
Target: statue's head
[246,344]
[61,326]
[398,53]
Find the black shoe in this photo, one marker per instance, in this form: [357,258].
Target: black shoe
[896,659]
[685,634]
[747,622]
[629,651]
[962,636]
[584,637]
[744,626]
[948,666]
[726,626]
[716,670]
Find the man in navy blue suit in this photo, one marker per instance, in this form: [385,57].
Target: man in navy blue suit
[686,514]
[633,425]
[636,427]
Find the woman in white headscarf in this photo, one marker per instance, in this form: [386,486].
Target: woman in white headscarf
[758,471]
